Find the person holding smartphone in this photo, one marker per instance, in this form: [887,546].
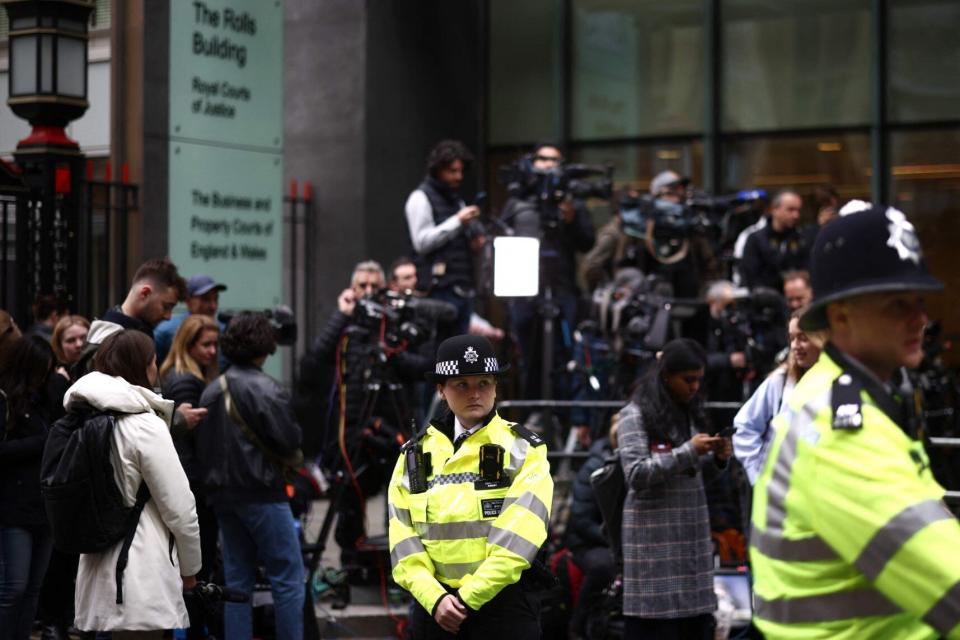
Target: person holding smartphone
[665,450]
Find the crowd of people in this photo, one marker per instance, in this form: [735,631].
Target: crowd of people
[399,392]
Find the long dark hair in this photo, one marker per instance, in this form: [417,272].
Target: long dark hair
[24,370]
[126,354]
[665,419]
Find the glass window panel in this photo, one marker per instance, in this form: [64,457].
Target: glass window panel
[46,64]
[801,163]
[638,68]
[925,184]
[71,67]
[924,60]
[524,90]
[795,64]
[24,50]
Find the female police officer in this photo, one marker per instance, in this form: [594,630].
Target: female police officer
[469,506]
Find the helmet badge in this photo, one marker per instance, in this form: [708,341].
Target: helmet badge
[470,355]
[903,237]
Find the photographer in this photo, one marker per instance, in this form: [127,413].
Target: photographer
[372,383]
[564,229]
[443,232]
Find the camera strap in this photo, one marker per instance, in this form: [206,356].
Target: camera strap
[286,463]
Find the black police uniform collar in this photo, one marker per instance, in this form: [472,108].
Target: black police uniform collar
[878,390]
[445,424]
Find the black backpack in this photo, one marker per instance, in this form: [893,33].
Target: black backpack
[84,505]
[610,490]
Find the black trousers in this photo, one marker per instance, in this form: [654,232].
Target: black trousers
[599,570]
[696,628]
[513,614]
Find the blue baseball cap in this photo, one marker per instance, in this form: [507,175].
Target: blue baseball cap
[201,283]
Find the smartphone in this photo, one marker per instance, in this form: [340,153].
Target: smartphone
[726,432]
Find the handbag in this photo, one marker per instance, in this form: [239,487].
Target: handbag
[290,464]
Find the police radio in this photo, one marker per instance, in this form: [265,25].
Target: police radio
[418,468]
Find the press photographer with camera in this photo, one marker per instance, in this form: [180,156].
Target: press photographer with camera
[444,232]
[370,349]
[547,201]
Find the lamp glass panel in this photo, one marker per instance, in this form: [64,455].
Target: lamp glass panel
[71,67]
[66,24]
[23,22]
[46,64]
[23,51]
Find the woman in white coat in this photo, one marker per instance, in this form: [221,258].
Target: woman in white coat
[156,574]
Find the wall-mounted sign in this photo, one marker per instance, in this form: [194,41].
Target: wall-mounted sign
[225,131]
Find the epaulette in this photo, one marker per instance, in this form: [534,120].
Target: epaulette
[845,403]
[527,435]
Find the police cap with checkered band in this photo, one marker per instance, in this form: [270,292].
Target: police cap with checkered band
[465,356]
[869,249]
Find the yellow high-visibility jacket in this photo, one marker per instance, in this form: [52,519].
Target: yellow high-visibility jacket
[851,538]
[476,540]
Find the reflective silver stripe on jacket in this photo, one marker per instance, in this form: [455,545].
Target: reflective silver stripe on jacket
[896,532]
[775,546]
[455,570]
[945,614]
[518,455]
[403,515]
[771,541]
[404,548]
[531,503]
[828,607]
[513,542]
[453,530]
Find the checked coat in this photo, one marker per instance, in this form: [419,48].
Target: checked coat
[667,551]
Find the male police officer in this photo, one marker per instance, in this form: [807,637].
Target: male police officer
[851,538]
[469,507]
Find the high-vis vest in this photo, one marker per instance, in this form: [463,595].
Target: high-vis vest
[851,538]
[461,533]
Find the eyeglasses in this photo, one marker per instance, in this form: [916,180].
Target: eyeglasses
[548,158]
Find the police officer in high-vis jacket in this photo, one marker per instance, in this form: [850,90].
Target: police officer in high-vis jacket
[851,538]
[469,507]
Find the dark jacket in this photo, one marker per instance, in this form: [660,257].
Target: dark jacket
[407,366]
[232,468]
[585,527]
[184,388]
[768,254]
[455,254]
[559,246]
[21,449]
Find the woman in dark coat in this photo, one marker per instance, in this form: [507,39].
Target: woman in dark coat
[668,555]
[25,541]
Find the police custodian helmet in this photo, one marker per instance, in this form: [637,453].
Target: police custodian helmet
[870,250]
[465,356]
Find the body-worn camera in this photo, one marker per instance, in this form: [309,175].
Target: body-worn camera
[281,318]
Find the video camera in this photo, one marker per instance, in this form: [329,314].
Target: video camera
[700,211]
[755,322]
[401,319]
[550,188]
[281,318]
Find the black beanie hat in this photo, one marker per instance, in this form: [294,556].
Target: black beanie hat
[682,354]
